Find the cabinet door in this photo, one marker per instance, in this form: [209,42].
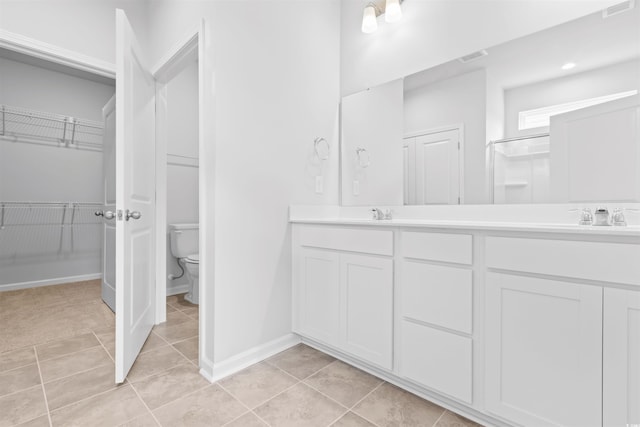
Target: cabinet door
[367,311]
[543,351]
[621,353]
[318,295]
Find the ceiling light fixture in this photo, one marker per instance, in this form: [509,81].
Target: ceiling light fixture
[568,66]
[390,8]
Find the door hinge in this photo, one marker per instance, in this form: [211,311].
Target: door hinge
[458,145]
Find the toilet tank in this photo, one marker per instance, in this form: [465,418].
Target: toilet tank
[184,239]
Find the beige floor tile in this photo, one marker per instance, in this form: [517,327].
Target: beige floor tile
[208,407]
[23,406]
[247,420]
[66,346]
[343,383]
[170,385]
[153,342]
[170,308]
[85,384]
[107,338]
[300,406]
[449,419]
[179,302]
[19,379]
[107,409]
[389,405]
[257,384]
[179,332]
[17,358]
[300,361]
[352,420]
[176,317]
[145,420]
[53,369]
[42,421]
[154,362]
[191,311]
[189,348]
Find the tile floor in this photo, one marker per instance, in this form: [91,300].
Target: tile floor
[56,369]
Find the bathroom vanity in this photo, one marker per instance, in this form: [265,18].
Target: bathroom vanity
[508,323]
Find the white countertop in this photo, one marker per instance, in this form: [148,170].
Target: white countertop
[629,231]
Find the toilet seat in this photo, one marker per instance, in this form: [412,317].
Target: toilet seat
[193,259]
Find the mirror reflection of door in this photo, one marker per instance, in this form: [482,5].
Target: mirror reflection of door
[432,168]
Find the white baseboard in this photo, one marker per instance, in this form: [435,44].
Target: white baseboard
[430,395]
[247,358]
[49,282]
[179,289]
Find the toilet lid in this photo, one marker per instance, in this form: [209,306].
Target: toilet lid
[194,258]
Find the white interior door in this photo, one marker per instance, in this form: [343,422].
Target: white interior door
[437,168]
[109,202]
[135,198]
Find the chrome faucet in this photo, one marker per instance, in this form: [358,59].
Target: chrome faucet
[377,214]
[602,217]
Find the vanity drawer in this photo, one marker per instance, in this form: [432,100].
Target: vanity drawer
[439,295]
[607,262]
[455,248]
[438,360]
[378,242]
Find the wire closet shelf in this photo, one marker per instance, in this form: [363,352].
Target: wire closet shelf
[37,127]
[48,213]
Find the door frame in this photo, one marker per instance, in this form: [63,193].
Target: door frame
[189,45]
[460,128]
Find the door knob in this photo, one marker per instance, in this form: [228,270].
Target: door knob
[106,214]
[132,214]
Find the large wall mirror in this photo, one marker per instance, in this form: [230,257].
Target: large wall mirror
[553,117]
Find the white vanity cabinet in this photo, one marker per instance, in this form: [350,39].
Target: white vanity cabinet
[621,354]
[543,351]
[343,290]
[509,326]
[436,345]
[548,360]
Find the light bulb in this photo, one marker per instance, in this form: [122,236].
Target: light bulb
[369,21]
[568,66]
[393,11]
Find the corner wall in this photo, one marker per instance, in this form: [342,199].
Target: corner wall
[271,87]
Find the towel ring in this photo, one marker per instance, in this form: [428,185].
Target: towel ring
[321,147]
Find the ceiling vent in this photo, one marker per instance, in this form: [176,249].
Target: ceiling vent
[473,56]
[618,8]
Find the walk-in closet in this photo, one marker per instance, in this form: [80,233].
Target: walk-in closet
[51,185]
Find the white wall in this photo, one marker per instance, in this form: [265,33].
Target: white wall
[458,100]
[83,26]
[30,172]
[603,81]
[372,120]
[272,86]
[435,31]
[182,160]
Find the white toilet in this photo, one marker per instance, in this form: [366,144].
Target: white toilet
[184,246]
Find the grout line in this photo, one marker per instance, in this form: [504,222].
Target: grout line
[145,405]
[367,395]
[46,401]
[115,387]
[441,415]
[246,406]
